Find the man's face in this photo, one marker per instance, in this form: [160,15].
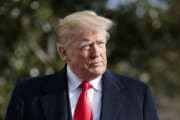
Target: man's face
[86,55]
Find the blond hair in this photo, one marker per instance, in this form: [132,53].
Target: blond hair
[75,23]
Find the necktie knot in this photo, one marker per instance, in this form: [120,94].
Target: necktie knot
[85,85]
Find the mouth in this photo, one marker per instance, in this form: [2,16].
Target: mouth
[96,63]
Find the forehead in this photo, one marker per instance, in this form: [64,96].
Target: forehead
[87,36]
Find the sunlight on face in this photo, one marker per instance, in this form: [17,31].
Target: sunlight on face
[86,55]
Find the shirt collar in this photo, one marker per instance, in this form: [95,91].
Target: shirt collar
[74,81]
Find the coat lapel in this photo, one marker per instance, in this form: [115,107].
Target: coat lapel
[113,95]
[54,105]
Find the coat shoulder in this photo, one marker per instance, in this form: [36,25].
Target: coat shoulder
[38,86]
[127,82]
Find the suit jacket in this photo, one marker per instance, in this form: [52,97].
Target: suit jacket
[46,98]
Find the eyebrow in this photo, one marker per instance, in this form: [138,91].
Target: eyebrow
[87,41]
[84,43]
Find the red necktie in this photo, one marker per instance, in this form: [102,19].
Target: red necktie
[83,109]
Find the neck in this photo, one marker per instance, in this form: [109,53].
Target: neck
[84,76]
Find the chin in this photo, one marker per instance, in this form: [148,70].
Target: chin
[98,71]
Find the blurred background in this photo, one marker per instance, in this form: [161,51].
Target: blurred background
[145,44]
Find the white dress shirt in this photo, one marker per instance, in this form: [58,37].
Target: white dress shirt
[94,94]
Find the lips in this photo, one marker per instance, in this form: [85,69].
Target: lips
[99,61]
[96,63]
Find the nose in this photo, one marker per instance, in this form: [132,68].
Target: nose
[95,51]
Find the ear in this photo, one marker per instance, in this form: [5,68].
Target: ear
[62,53]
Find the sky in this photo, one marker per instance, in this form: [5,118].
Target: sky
[113,4]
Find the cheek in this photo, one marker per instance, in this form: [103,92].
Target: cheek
[82,59]
[73,58]
[104,54]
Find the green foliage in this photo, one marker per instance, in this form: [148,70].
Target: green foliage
[144,43]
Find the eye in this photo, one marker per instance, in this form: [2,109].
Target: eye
[85,47]
[101,43]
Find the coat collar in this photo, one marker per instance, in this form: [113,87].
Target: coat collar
[113,96]
[54,105]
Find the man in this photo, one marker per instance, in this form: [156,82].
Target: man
[84,89]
